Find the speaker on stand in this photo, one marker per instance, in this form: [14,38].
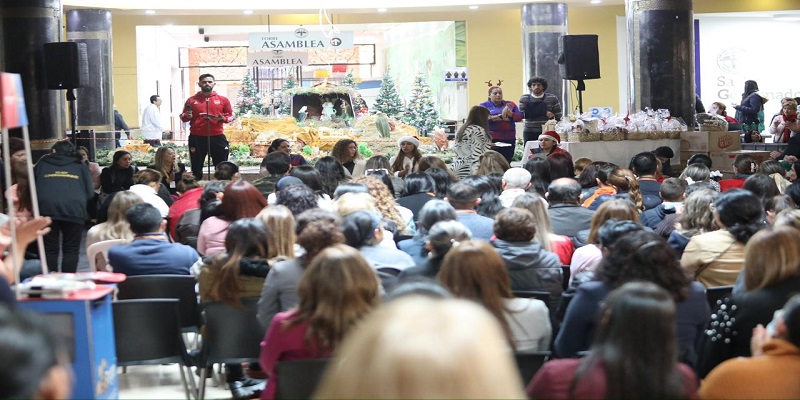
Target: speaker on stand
[579,60]
[67,67]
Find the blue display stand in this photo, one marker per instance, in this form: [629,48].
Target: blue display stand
[85,319]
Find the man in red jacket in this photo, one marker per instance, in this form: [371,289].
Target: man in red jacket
[207,112]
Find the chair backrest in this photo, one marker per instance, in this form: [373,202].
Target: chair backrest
[533,294]
[180,287]
[299,379]
[389,270]
[565,275]
[528,363]
[100,247]
[146,331]
[714,295]
[232,335]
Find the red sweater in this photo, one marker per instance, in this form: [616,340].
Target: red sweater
[217,105]
[188,201]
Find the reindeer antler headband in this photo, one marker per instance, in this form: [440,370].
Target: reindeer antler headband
[499,83]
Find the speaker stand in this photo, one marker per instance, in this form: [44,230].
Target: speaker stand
[73,115]
[580,88]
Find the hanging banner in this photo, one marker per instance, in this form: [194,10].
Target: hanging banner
[276,58]
[12,105]
[301,38]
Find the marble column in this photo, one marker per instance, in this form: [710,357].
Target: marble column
[95,101]
[26,26]
[661,56]
[542,26]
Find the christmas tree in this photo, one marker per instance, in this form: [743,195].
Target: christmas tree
[359,105]
[286,100]
[248,101]
[421,111]
[388,101]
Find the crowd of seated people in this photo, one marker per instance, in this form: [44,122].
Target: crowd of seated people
[622,259]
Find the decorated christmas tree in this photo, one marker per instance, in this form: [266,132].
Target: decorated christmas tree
[248,101]
[286,99]
[359,105]
[388,101]
[421,111]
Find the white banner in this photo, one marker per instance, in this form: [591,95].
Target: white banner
[276,58]
[301,38]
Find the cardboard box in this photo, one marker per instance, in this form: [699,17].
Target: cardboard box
[723,160]
[702,141]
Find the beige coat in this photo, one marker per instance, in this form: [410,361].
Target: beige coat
[713,258]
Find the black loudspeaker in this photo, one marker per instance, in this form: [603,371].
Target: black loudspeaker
[66,65]
[579,59]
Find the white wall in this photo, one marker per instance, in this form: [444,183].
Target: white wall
[157,72]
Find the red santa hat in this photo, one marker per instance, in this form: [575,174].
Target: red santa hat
[552,135]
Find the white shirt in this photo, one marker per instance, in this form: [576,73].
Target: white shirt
[151,122]
[149,196]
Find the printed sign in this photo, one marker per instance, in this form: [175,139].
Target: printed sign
[301,38]
[601,112]
[276,58]
[457,74]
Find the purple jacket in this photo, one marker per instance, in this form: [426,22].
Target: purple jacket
[503,130]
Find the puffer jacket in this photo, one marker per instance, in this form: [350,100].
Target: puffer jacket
[532,268]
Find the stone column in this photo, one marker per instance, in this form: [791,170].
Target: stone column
[542,26]
[26,26]
[95,101]
[661,56]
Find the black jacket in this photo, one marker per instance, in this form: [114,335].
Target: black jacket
[532,268]
[64,186]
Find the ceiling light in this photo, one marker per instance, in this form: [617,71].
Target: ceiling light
[247,12]
[596,1]
[473,7]
[381,10]
[150,12]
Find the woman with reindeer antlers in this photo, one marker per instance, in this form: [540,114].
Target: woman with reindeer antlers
[502,115]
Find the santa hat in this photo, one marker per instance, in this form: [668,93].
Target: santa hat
[552,135]
[409,139]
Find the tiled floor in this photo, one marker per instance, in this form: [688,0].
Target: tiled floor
[161,382]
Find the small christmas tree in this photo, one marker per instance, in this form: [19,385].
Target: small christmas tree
[388,101]
[248,101]
[359,105]
[286,100]
[421,111]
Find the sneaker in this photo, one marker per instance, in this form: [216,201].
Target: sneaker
[241,391]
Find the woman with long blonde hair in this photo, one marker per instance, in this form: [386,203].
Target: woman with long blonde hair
[336,291]
[171,171]
[474,271]
[422,348]
[280,222]
[116,227]
[384,202]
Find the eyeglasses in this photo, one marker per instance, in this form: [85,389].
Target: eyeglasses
[376,171]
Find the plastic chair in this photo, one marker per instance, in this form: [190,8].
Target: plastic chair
[232,335]
[714,295]
[528,363]
[299,379]
[147,333]
[533,294]
[180,287]
[101,247]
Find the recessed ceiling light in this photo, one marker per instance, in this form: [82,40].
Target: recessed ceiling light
[381,10]
[247,12]
[473,7]
[150,12]
[596,1]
